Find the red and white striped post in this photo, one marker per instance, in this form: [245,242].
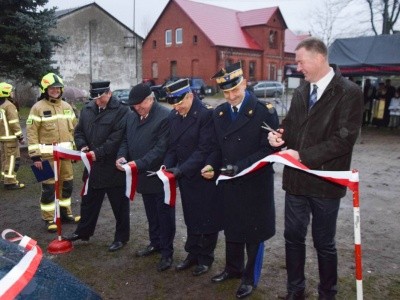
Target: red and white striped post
[357,234]
[58,245]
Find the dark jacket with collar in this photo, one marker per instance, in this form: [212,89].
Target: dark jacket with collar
[146,144]
[323,136]
[249,209]
[191,144]
[102,133]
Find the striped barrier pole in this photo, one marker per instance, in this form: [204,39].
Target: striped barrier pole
[357,235]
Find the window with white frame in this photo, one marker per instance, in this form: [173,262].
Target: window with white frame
[168,37]
[179,36]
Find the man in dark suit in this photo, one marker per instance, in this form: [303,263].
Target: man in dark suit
[191,145]
[249,210]
[99,132]
[319,130]
[145,144]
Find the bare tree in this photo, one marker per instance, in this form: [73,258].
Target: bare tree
[327,20]
[385,11]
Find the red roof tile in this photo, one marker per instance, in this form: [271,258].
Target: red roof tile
[256,17]
[220,25]
[291,40]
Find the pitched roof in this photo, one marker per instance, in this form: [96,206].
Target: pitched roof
[224,26]
[257,16]
[292,40]
[64,12]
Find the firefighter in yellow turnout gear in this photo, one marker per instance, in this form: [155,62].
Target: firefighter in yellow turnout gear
[52,120]
[10,135]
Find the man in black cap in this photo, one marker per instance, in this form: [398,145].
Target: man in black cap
[249,210]
[191,146]
[99,132]
[145,144]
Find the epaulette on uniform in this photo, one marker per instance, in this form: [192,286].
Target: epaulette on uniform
[220,109]
[269,106]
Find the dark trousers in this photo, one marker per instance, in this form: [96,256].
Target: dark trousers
[297,217]
[235,260]
[200,247]
[161,218]
[90,210]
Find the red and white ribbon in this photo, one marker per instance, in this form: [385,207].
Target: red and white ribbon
[345,178]
[169,184]
[23,272]
[341,177]
[87,160]
[131,179]
[86,157]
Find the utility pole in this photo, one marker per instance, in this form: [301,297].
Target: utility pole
[135,40]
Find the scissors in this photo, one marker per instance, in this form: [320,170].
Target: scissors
[269,128]
[151,173]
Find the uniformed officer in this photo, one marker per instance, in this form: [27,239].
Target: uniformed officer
[191,144]
[10,135]
[52,120]
[249,211]
[100,131]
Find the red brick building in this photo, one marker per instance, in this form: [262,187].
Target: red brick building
[195,39]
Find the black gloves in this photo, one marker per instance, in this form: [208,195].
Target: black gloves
[177,173]
[230,170]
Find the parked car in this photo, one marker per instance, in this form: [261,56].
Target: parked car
[268,89]
[122,95]
[197,85]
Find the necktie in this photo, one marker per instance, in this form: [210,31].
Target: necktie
[313,97]
[142,119]
[235,112]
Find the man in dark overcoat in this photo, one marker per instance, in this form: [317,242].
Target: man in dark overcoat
[145,144]
[320,130]
[191,145]
[99,131]
[249,210]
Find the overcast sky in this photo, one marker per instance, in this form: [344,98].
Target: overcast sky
[295,12]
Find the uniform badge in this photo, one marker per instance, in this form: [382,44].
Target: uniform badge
[47,114]
[67,111]
[250,112]
[270,108]
[221,113]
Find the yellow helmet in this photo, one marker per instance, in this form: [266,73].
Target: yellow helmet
[51,80]
[5,90]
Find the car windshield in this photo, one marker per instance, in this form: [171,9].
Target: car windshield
[197,82]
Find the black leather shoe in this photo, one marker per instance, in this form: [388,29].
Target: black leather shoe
[244,290]
[200,269]
[164,264]
[74,237]
[147,251]
[116,246]
[186,264]
[295,296]
[224,276]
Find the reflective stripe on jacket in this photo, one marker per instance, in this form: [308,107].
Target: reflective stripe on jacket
[50,121]
[10,128]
